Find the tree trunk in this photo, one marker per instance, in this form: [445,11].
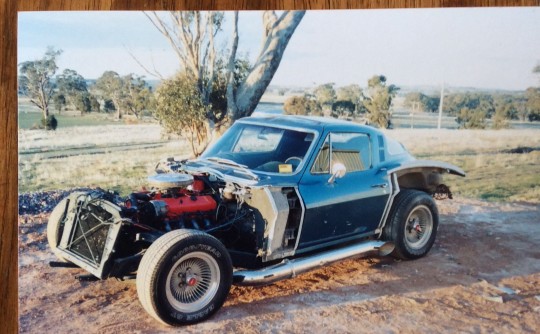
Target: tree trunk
[231,101]
[278,34]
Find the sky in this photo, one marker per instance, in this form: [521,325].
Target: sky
[486,48]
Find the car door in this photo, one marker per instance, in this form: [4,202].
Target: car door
[345,208]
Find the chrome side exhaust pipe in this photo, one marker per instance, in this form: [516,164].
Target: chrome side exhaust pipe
[291,268]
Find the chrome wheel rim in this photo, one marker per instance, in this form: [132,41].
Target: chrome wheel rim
[418,227]
[192,282]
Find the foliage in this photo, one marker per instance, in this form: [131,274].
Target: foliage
[137,96]
[192,35]
[532,95]
[471,119]
[500,119]
[343,108]
[49,122]
[426,103]
[59,101]
[506,108]
[73,87]
[127,94]
[108,106]
[35,78]
[352,93]
[181,110]
[82,102]
[378,100]
[109,86]
[325,95]
[302,105]
[94,104]
[217,103]
[454,103]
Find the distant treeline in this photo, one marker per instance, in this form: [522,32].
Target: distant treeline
[132,94]
[472,109]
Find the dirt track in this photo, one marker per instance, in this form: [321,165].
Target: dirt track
[482,275]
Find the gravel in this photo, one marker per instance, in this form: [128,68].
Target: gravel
[44,201]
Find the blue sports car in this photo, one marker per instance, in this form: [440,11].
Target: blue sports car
[273,197]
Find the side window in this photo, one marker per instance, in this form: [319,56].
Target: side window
[351,149]
[322,162]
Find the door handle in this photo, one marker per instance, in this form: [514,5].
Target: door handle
[380,185]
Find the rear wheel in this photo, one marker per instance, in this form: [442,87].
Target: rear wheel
[412,224]
[184,277]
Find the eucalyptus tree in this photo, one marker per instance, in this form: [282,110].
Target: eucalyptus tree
[35,79]
[228,86]
[72,89]
[378,100]
[192,35]
[110,87]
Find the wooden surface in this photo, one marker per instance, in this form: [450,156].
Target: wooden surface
[8,97]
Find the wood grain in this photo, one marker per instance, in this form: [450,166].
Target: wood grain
[8,97]
[30,5]
[8,168]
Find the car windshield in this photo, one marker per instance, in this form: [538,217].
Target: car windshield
[261,148]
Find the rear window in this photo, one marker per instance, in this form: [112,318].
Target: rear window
[394,147]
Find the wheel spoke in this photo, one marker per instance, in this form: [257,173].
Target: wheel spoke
[192,281]
[419,227]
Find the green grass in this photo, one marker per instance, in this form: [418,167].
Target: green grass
[30,116]
[496,177]
[31,119]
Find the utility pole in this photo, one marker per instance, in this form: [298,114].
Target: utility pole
[415,108]
[440,107]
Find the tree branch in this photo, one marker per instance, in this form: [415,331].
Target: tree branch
[165,31]
[232,109]
[251,90]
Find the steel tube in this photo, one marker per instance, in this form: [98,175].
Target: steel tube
[291,268]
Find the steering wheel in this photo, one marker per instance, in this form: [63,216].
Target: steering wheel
[294,158]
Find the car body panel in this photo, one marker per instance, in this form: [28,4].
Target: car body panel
[415,165]
[279,214]
[354,206]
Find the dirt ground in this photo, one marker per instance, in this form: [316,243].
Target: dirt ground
[482,276]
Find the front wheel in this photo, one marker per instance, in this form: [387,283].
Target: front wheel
[184,277]
[412,224]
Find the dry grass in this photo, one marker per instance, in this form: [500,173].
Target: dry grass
[122,171]
[85,136]
[491,175]
[428,142]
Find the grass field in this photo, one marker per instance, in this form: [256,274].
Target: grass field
[32,119]
[491,174]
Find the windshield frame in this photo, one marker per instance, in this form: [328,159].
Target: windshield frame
[301,166]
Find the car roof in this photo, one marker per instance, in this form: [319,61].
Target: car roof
[308,122]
